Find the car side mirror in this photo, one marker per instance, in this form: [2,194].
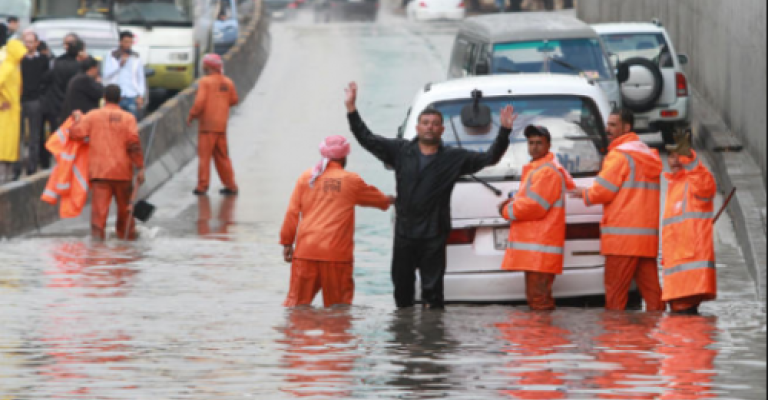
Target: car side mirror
[622,73]
[149,72]
[683,59]
[482,68]
[614,59]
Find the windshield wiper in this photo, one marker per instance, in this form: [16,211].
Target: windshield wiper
[490,187]
[569,66]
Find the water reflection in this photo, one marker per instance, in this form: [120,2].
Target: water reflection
[320,351]
[689,362]
[218,228]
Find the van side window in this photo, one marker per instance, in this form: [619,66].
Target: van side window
[462,58]
[483,57]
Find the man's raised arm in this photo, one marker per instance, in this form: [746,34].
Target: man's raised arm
[382,148]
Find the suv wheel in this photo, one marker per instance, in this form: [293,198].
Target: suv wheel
[643,85]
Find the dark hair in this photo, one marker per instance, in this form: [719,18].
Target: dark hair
[126,34]
[627,116]
[88,63]
[431,111]
[13,18]
[43,46]
[112,94]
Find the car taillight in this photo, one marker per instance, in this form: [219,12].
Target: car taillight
[292,6]
[462,236]
[682,85]
[582,231]
[461,5]
[422,4]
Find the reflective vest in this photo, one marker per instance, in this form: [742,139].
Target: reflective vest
[629,188]
[68,182]
[537,215]
[688,249]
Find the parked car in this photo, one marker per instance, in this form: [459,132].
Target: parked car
[346,10]
[656,87]
[427,10]
[280,9]
[226,27]
[532,43]
[575,111]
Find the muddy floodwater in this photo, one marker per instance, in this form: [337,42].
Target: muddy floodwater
[193,309]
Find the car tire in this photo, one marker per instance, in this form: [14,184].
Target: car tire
[644,85]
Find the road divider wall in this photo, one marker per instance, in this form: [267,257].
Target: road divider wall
[169,149]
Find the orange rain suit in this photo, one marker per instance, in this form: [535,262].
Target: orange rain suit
[629,188]
[67,184]
[688,250]
[115,148]
[323,258]
[537,234]
[215,95]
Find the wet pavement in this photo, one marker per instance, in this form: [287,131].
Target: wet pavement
[192,310]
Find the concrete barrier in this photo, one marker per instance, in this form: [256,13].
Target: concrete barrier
[173,146]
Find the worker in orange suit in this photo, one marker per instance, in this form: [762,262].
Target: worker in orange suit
[115,151]
[629,188]
[324,199]
[215,95]
[537,212]
[688,248]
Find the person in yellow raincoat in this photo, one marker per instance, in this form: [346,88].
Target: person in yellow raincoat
[10,107]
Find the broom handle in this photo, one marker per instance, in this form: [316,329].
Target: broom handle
[725,204]
[135,193]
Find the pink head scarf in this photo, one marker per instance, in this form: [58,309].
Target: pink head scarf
[213,61]
[332,148]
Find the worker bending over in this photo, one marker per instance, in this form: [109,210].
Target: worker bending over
[629,188]
[324,200]
[537,212]
[115,150]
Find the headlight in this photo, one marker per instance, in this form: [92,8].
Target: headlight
[179,56]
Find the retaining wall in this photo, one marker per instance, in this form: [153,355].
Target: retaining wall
[173,146]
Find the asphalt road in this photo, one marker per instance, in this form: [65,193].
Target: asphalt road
[193,309]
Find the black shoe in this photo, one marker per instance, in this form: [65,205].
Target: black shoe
[688,311]
[228,192]
[198,192]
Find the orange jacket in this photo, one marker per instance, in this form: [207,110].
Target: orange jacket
[328,214]
[67,182]
[114,139]
[537,234]
[688,249]
[215,95]
[629,188]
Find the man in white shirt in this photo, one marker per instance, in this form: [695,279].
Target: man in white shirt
[124,68]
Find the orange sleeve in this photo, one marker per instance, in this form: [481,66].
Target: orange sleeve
[608,182]
[200,99]
[369,196]
[291,221]
[81,131]
[233,97]
[538,199]
[701,182]
[133,143]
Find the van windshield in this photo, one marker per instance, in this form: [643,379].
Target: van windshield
[573,122]
[159,13]
[567,56]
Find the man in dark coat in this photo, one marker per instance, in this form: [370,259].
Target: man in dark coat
[85,90]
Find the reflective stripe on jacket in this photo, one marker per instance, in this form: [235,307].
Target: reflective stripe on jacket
[537,233]
[629,188]
[688,249]
[68,182]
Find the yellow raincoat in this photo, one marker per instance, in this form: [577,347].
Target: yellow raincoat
[10,93]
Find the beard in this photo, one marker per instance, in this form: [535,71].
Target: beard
[434,141]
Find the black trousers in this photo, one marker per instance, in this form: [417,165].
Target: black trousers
[31,122]
[428,256]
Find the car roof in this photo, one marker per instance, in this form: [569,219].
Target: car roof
[627,27]
[106,32]
[515,84]
[75,24]
[507,27]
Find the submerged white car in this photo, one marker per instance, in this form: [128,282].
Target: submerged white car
[575,111]
[431,10]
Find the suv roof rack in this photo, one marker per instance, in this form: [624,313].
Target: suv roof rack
[657,22]
[428,87]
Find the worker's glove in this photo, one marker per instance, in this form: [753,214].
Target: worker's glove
[682,144]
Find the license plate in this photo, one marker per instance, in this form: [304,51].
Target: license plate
[501,238]
[641,123]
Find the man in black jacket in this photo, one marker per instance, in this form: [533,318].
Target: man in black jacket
[426,173]
[85,90]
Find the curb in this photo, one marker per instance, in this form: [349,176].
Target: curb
[734,167]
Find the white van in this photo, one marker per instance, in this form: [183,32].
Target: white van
[575,111]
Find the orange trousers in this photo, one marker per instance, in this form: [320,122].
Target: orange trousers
[102,193]
[309,277]
[214,144]
[686,303]
[619,273]
[538,290]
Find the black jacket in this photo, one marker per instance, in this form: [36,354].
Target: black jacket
[83,94]
[56,82]
[424,198]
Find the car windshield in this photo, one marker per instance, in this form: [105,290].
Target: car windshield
[573,122]
[651,46]
[16,8]
[154,12]
[567,56]
[92,37]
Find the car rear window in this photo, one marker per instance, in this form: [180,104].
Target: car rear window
[651,46]
[583,56]
[574,123]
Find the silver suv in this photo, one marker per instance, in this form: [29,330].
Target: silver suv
[653,83]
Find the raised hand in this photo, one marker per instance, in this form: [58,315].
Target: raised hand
[508,117]
[351,98]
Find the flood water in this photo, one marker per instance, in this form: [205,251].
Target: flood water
[193,309]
